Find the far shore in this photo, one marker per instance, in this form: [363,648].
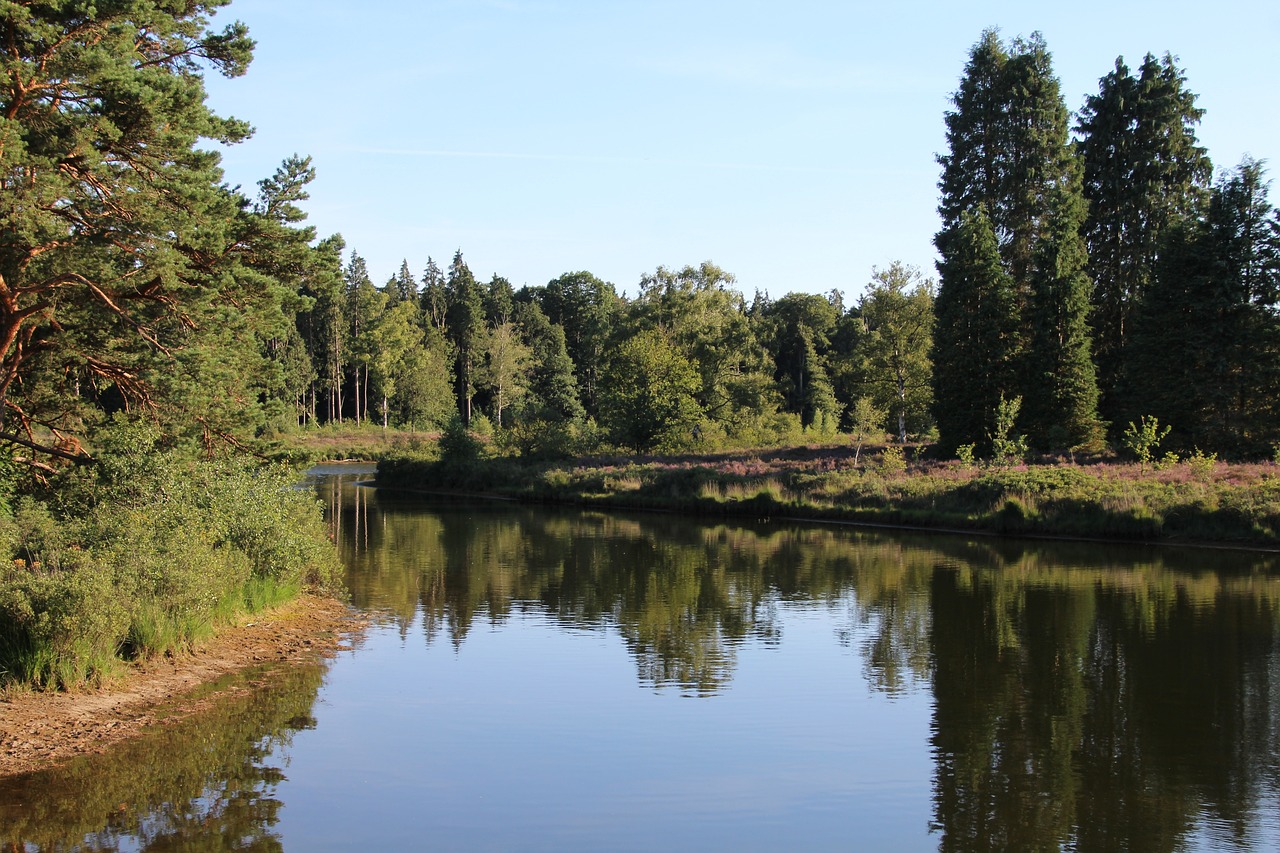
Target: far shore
[1195,502]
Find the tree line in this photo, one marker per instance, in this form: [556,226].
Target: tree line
[1104,279]
[687,361]
[1089,275]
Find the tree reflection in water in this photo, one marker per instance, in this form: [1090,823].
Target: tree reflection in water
[196,784]
[1084,697]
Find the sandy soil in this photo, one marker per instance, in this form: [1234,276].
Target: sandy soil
[40,730]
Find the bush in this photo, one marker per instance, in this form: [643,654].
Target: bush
[146,554]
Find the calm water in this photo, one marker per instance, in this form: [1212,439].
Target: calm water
[554,680]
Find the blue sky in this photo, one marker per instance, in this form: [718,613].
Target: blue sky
[791,143]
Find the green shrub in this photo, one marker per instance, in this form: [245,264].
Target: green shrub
[147,554]
[59,628]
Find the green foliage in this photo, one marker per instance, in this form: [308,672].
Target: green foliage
[1014,294]
[1201,463]
[892,461]
[965,453]
[648,396]
[1213,302]
[977,340]
[1143,438]
[1143,172]
[868,423]
[457,444]
[1007,447]
[897,317]
[146,553]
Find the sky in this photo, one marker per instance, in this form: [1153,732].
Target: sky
[793,144]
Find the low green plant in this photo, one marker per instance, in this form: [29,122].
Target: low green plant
[147,553]
[1007,447]
[1143,438]
[457,443]
[1202,464]
[966,454]
[892,461]
[1168,461]
[868,422]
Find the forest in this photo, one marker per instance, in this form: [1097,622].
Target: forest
[1099,288]
[1075,255]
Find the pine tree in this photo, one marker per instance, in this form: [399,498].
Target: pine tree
[121,246]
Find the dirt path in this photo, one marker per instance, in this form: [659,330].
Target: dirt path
[40,730]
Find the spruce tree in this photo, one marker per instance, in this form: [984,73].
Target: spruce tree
[1205,353]
[465,325]
[1143,172]
[1011,176]
[1060,401]
[977,339]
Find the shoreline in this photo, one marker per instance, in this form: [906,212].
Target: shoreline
[1228,507]
[40,730]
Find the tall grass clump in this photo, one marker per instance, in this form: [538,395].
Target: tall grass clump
[146,553]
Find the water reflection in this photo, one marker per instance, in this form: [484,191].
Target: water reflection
[1084,697]
[1071,696]
[203,783]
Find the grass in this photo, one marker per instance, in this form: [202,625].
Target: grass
[1199,499]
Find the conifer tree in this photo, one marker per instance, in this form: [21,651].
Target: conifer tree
[977,343]
[432,299]
[365,304]
[1010,166]
[121,245]
[1060,399]
[552,384]
[465,324]
[1205,353]
[1143,172]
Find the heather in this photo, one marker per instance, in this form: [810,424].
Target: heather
[1196,500]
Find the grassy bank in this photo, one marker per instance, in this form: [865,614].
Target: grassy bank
[1198,500]
[146,553]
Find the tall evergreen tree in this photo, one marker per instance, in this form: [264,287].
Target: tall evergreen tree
[552,384]
[365,304]
[1143,172]
[977,339]
[432,299]
[121,246]
[1010,164]
[1060,391]
[404,286]
[1205,353]
[465,324]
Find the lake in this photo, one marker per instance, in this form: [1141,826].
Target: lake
[552,679]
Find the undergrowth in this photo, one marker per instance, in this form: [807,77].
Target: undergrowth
[146,553]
